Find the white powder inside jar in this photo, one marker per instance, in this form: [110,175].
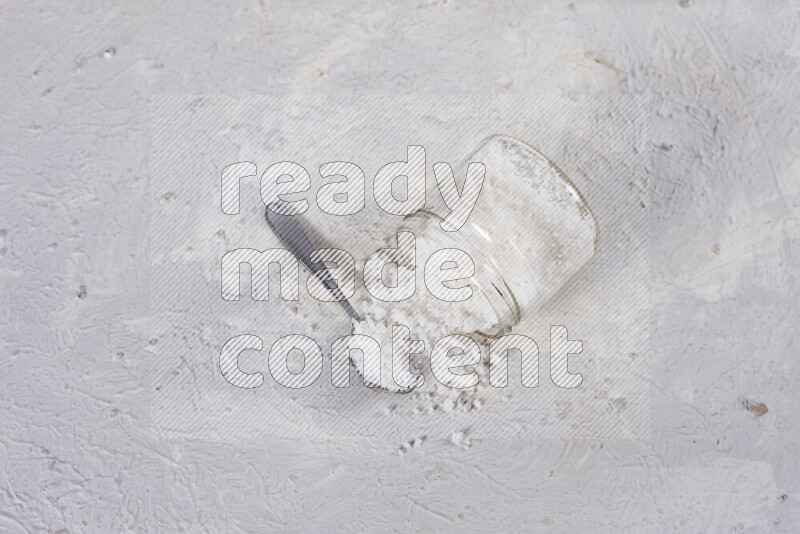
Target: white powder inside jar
[538,229]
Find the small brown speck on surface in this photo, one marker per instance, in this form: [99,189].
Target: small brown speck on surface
[758,408]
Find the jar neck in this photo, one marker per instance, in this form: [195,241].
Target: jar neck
[487,279]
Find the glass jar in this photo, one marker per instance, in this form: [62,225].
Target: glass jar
[531,230]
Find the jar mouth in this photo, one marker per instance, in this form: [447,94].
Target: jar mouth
[490,283]
[568,184]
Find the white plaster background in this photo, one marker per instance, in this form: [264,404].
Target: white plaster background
[76,450]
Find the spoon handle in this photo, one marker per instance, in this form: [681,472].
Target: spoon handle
[291,233]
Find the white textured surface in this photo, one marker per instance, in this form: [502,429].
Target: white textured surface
[76,450]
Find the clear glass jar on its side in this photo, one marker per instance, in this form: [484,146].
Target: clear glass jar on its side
[531,230]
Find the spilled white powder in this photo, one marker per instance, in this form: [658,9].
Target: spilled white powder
[428,319]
